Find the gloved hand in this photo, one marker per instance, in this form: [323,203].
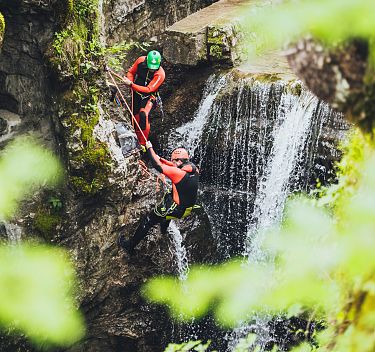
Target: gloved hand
[148,145]
[127,81]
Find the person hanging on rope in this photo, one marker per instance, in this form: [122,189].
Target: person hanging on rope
[144,78]
[176,204]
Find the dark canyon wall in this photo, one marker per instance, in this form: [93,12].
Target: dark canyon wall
[144,20]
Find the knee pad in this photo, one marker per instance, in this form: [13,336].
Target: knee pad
[142,119]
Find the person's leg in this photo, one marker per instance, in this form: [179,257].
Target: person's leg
[137,105]
[164,226]
[141,232]
[144,112]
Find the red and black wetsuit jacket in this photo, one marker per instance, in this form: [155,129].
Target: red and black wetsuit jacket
[184,180]
[145,82]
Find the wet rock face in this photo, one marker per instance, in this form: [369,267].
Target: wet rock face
[24,79]
[142,20]
[118,317]
[3,125]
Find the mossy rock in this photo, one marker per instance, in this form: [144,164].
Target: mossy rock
[2,29]
[46,224]
[216,52]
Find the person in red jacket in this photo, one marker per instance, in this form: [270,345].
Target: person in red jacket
[176,204]
[145,77]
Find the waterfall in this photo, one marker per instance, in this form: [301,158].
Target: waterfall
[235,147]
[255,144]
[289,139]
[179,251]
[189,134]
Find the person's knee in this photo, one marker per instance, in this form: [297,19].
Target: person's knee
[142,119]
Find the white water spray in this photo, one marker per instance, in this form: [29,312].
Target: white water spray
[179,252]
[289,140]
[190,133]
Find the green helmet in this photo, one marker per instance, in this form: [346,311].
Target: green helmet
[153,60]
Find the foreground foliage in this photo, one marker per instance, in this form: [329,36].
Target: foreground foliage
[319,264]
[331,21]
[36,282]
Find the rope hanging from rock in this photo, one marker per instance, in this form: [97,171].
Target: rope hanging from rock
[110,72]
[148,176]
[143,166]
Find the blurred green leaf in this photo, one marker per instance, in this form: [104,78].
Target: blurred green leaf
[276,25]
[36,294]
[24,165]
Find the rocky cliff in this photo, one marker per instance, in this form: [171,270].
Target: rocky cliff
[145,20]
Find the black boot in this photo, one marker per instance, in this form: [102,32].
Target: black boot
[126,245]
[164,226]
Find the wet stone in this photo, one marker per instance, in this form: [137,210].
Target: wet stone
[3,125]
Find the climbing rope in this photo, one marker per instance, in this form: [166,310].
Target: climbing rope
[146,175]
[110,72]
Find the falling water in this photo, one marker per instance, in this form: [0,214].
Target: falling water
[235,147]
[289,138]
[189,135]
[295,116]
[179,251]
[255,143]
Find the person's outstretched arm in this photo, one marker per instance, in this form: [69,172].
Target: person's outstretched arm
[133,70]
[172,172]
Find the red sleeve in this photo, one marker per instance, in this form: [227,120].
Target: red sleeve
[154,85]
[133,70]
[166,162]
[173,172]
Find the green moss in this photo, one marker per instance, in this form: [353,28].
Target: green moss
[78,58]
[2,28]
[294,88]
[93,159]
[356,151]
[216,52]
[45,223]
[215,36]
[267,77]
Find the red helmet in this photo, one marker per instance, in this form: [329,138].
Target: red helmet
[179,153]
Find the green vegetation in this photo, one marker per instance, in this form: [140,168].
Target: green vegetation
[293,19]
[356,150]
[36,294]
[46,223]
[188,346]
[2,28]
[79,58]
[322,266]
[23,165]
[48,216]
[36,282]
[336,24]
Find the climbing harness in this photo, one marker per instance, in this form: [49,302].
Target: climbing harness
[165,210]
